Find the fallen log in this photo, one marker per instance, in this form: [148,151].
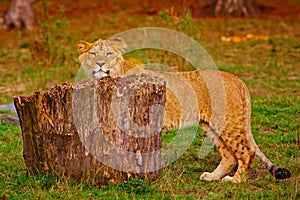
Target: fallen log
[97,132]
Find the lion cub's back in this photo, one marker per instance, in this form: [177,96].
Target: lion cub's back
[221,96]
[214,91]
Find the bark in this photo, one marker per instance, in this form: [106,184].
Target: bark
[243,8]
[19,14]
[96,132]
[9,119]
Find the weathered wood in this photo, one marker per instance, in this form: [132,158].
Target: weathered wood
[9,119]
[96,132]
[10,114]
[241,8]
[19,14]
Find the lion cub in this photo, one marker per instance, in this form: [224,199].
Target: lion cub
[223,107]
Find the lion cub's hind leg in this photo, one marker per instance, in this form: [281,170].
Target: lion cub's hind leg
[245,155]
[226,165]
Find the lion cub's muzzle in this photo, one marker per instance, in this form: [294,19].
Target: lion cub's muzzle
[100,70]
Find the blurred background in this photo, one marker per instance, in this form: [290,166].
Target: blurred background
[257,40]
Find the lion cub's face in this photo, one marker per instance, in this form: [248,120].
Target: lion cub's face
[102,58]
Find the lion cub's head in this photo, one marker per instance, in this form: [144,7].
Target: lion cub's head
[102,58]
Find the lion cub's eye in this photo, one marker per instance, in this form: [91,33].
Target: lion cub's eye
[93,54]
[108,54]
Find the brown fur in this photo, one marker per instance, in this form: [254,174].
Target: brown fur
[223,111]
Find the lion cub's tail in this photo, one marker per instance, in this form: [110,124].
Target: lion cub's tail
[278,173]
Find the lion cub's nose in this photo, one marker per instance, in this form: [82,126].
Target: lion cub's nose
[100,64]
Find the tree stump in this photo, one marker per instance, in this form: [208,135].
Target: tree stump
[19,14]
[97,132]
[241,8]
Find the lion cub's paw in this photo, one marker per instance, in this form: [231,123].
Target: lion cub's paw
[209,177]
[231,179]
[227,178]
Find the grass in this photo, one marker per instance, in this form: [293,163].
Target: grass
[275,130]
[270,69]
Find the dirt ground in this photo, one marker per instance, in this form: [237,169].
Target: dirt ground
[269,8]
[87,10]
[104,19]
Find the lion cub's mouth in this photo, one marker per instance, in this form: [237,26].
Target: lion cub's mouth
[100,74]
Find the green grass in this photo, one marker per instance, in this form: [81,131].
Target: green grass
[270,69]
[275,121]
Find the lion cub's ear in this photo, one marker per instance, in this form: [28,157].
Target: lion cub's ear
[118,43]
[83,46]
